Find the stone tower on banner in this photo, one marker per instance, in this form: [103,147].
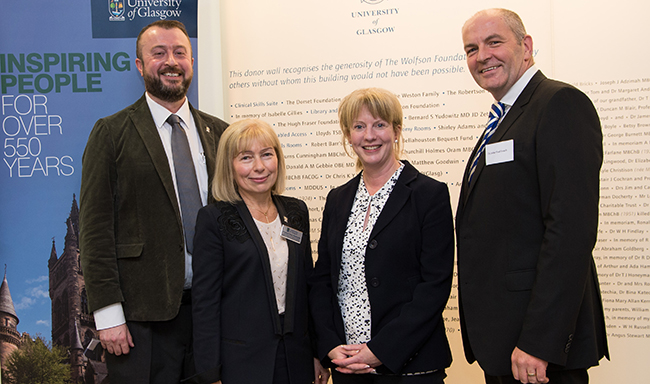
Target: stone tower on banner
[10,338]
[73,327]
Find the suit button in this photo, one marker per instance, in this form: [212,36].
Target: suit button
[372,244]
[374,282]
[567,347]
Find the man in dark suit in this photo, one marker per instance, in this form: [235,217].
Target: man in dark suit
[139,198]
[527,218]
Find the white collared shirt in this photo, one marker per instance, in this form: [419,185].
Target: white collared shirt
[513,93]
[160,115]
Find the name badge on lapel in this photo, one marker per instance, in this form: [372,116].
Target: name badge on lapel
[291,234]
[501,152]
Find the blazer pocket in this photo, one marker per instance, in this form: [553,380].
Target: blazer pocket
[520,280]
[125,251]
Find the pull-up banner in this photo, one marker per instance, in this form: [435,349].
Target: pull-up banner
[63,65]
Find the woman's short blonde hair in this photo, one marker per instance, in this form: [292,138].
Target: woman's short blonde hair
[380,103]
[236,138]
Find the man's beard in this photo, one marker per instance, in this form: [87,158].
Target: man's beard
[155,86]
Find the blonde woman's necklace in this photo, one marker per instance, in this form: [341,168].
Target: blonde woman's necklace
[268,230]
[265,213]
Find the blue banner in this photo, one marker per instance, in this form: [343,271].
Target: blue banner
[57,78]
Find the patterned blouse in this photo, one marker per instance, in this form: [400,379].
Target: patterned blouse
[352,290]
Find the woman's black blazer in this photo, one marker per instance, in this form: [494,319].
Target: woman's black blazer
[409,263]
[237,327]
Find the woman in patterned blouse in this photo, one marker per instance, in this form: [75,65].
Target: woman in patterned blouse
[385,257]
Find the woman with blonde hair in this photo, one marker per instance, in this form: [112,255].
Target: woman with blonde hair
[251,261]
[385,257]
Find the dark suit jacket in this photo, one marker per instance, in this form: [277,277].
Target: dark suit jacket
[131,235]
[525,232]
[409,262]
[237,327]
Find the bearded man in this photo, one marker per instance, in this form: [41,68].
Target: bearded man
[146,171]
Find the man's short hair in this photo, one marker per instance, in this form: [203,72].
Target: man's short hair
[513,21]
[510,18]
[164,24]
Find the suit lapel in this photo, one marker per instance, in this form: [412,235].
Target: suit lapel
[245,214]
[206,135]
[519,107]
[397,198]
[508,121]
[292,271]
[146,128]
[342,215]
[394,204]
[464,187]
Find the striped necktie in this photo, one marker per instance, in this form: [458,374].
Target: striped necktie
[496,112]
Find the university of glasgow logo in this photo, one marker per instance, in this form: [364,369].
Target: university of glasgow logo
[116,10]
[372,1]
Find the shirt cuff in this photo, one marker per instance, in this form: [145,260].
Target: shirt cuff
[110,316]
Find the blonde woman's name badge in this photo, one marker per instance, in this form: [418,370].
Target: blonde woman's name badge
[291,234]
